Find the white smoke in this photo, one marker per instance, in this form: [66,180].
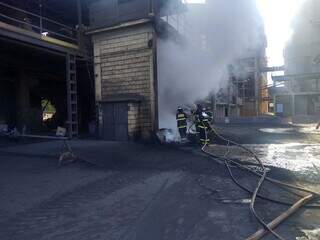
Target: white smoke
[217,33]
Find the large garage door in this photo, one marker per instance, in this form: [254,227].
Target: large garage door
[115,122]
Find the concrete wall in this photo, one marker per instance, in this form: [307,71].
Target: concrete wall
[124,67]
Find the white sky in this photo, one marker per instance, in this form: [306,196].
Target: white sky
[277,15]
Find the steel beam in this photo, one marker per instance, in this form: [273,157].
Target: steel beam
[20,35]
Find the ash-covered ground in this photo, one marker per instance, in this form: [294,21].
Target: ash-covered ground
[146,191]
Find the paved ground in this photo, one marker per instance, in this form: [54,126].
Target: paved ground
[143,192]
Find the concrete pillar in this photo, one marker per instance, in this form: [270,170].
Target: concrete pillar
[23,94]
[22,100]
[275,104]
[293,105]
[257,93]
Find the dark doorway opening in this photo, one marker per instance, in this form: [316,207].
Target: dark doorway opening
[30,77]
[115,122]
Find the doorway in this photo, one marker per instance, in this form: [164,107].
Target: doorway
[115,122]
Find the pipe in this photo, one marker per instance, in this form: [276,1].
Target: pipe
[255,193]
[262,232]
[258,174]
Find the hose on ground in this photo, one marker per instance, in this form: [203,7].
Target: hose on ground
[275,181]
[262,176]
[254,196]
[262,179]
[240,166]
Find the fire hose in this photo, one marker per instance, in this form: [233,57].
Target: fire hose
[267,227]
[256,191]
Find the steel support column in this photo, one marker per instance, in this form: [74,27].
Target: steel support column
[293,105]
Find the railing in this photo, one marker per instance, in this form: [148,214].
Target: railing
[174,15]
[37,23]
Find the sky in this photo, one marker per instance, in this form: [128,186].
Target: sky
[277,15]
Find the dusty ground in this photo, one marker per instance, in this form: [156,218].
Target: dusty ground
[143,192]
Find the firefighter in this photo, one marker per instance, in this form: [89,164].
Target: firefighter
[201,127]
[197,114]
[207,118]
[182,123]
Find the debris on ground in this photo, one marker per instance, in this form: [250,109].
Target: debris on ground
[166,135]
[310,235]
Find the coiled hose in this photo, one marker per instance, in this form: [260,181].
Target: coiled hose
[255,193]
[263,177]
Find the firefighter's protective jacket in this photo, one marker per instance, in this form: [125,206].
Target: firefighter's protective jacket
[181,120]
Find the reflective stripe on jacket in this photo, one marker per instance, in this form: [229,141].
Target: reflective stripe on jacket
[181,120]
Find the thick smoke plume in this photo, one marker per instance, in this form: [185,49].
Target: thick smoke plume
[216,33]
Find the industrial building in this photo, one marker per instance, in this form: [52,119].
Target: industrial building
[95,69]
[125,40]
[249,77]
[243,92]
[245,95]
[297,93]
[44,77]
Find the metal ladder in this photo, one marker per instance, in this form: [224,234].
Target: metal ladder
[72,123]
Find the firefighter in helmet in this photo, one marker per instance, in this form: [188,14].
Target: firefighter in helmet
[182,123]
[201,126]
[207,118]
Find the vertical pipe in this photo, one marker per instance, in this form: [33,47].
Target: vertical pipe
[79,9]
[275,104]
[293,105]
[257,80]
[151,8]
[244,85]
[40,13]
[79,12]
[155,76]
